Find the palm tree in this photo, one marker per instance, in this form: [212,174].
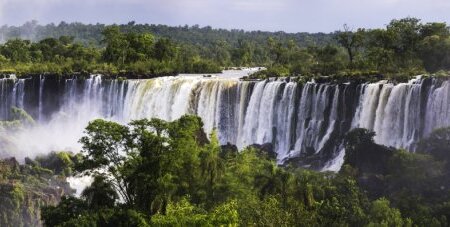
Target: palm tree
[211,163]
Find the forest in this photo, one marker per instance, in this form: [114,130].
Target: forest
[405,47]
[152,172]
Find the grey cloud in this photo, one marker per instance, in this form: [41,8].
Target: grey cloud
[273,15]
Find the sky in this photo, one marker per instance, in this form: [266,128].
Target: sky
[266,15]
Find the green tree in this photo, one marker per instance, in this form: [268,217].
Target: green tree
[351,41]
[69,208]
[328,60]
[116,45]
[164,50]
[16,50]
[243,53]
[406,38]
[102,154]
[182,213]
[381,214]
[380,52]
[100,193]
[140,46]
[212,164]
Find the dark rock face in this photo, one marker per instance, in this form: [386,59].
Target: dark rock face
[267,149]
[228,150]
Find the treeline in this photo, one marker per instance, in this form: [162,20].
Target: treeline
[223,47]
[135,53]
[203,38]
[158,173]
[404,48]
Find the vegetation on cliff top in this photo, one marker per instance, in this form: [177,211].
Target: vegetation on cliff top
[404,48]
[139,53]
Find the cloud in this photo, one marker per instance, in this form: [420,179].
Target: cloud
[288,15]
[258,5]
[23,9]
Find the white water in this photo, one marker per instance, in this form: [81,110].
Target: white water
[297,119]
[393,113]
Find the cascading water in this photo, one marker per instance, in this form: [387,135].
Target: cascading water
[300,120]
[396,113]
[41,92]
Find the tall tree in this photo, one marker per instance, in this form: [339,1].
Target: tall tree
[351,41]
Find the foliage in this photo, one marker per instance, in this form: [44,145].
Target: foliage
[25,189]
[363,154]
[383,215]
[405,47]
[158,173]
[134,52]
[416,184]
[60,163]
[437,144]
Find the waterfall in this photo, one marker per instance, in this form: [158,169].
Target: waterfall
[300,120]
[438,107]
[393,112]
[41,99]
[11,95]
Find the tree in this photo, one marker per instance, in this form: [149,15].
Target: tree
[410,172]
[431,29]
[141,46]
[147,162]
[145,171]
[212,164]
[381,214]
[351,41]
[116,45]
[276,50]
[100,193]
[380,50]
[69,208]
[406,34]
[437,144]
[164,50]
[103,148]
[16,50]
[242,54]
[182,213]
[363,153]
[434,46]
[328,60]
[66,40]
[221,52]
[52,49]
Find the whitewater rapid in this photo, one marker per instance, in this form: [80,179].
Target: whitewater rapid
[306,120]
